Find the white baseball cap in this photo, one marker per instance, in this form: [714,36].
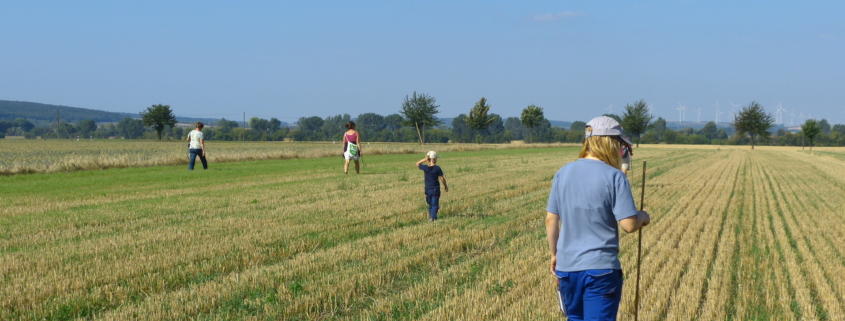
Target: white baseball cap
[432,154]
[605,126]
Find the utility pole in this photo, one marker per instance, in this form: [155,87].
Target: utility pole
[243,132]
[56,123]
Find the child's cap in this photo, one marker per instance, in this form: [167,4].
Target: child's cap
[432,154]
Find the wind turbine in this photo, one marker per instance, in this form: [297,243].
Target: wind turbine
[698,120]
[733,106]
[779,112]
[610,109]
[651,109]
[792,118]
[681,112]
[718,112]
[733,112]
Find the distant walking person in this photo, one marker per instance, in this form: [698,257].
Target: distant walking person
[196,147]
[587,199]
[626,152]
[433,173]
[351,147]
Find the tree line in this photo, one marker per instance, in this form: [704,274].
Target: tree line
[417,121]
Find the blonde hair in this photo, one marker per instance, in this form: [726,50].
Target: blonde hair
[605,148]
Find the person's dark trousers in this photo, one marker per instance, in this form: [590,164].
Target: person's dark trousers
[194,153]
[432,197]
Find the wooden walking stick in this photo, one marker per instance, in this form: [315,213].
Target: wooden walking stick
[639,253]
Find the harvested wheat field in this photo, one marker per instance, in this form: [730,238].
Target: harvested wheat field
[736,234]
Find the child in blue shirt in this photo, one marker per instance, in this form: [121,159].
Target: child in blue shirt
[433,177]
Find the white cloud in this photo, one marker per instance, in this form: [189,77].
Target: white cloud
[555,16]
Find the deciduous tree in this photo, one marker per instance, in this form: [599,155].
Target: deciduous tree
[709,130]
[419,111]
[130,128]
[754,121]
[514,126]
[477,118]
[157,117]
[393,122]
[824,126]
[259,124]
[532,116]
[85,127]
[461,132]
[659,128]
[369,124]
[273,125]
[811,129]
[636,119]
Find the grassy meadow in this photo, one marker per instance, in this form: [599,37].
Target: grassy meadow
[736,234]
[53,155]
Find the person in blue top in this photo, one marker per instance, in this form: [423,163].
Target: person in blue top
[587,199]
[433,177]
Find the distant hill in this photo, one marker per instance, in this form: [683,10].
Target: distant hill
[561,124]
[40,114]
[43,114]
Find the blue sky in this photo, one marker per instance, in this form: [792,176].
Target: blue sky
[289,59]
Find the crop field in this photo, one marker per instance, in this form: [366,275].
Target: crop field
[49,156]
[736,234]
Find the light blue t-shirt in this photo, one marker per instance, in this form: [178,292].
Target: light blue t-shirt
[590,197]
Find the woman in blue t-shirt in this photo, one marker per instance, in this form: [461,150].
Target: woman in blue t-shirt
[588,197]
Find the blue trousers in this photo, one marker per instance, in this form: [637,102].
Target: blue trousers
[194,153]
[432,197]
[590,294]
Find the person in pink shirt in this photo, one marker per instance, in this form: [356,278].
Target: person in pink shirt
[351,147]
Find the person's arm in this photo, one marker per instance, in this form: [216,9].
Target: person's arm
[344,142]
[552,233]
[443,179]
[634,223]
[422,161]
[189,137]
[202,144]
